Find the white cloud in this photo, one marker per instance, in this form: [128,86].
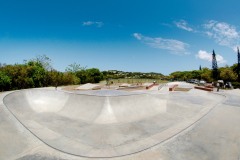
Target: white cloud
[220,59]
[223,33]
[204,55]
[172,45]
[88,23]
[92,23]
[138,36]
[182,24]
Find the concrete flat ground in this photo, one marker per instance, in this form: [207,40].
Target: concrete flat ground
[41,124]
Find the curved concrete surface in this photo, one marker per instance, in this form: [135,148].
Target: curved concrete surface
[46,124]
[106,126]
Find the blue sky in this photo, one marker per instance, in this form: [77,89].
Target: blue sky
[130,35]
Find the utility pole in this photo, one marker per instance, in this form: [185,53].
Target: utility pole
[214,67]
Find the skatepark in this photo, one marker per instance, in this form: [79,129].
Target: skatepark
[110,124]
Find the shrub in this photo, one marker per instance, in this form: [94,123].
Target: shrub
[236,84]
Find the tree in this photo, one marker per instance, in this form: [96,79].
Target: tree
[20,77]
[5,82]
[74,68]
[70,78]
[176,75]
[215,72]
[44,61]
[37,72]
[238,65]
[82,75]
[206,74]
[94,75]
[196,74]
[227,74]
[234,68]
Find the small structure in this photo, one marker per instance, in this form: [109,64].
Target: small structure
[221,83]
[89,86]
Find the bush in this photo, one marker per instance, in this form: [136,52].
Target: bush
[236,84]
[5,82]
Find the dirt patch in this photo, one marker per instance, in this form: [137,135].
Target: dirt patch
[70,88]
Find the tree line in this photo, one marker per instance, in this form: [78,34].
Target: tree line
[115,74]
[227,74]
[38,72]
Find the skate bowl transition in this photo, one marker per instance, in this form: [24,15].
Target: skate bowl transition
[106,126]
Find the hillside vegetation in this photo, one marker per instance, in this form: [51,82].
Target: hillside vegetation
[38,72]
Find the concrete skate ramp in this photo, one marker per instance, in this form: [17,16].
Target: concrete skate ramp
[106,126]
